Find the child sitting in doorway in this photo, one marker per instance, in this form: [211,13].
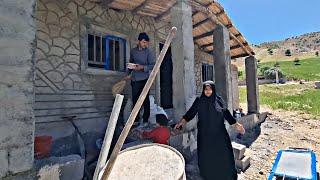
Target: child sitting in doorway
[161,133]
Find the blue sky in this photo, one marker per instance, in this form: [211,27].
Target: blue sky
[269,20]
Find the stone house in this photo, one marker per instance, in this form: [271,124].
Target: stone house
[61,58]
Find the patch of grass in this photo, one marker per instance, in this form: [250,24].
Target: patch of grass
[294,97]
[278,57]
[309,69]
[241,75]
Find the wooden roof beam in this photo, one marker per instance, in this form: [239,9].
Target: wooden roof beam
[195,12]
[140,7]
[206,45]
[201,22]
[231,48]
[220,13]
[209,33]
[239,56]
[238,46]
[232,57]
[165,13]
[217,21]
[229,26]
[238,35]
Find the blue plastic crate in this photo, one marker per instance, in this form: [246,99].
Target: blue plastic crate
[295,164]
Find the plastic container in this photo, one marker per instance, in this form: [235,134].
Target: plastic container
[42,146]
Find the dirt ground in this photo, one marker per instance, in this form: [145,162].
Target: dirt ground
[282,129]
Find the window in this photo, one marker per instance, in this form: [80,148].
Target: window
[107,52]
[207,72]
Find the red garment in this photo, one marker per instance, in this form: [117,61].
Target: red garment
[159,135]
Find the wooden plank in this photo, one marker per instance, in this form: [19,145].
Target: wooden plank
[71,97]
[102,160]
[48,105]
[238,35]
[165,13]
[77,119]
[210,33]
[54,112]
[217,20]
[79,116]
[238,46]
[138,105]
[239,56]
[201,22]
[103,106]
[206,45]
[229,26]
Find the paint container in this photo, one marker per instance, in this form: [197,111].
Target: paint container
[42,146]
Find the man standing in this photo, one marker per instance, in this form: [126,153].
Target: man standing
[141,63]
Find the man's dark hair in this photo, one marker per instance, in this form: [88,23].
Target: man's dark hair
[162,119]
[144,36]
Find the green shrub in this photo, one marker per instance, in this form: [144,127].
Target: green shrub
[277,64]
[263,69]
[271,73]
[288,52]
[297,61]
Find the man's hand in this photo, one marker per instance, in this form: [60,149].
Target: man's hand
[181,123]
[240,128]
[139,67]
[135,67]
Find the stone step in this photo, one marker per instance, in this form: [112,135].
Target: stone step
[243,164]
[238,150]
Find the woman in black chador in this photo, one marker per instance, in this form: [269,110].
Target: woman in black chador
[215,154]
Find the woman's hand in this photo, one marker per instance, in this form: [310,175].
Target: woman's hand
[181,123]
[240,128]
[127,78]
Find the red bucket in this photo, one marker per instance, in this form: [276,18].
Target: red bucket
[42,146]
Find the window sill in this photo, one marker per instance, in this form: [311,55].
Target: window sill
[101,72]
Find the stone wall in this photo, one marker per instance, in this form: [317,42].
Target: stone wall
[17,39]
[64,83]
[200,58]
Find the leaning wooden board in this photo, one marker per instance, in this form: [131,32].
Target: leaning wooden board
[138,105]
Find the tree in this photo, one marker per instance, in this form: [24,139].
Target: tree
[288,52]
[317,53]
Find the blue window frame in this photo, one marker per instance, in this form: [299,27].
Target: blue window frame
[107,52]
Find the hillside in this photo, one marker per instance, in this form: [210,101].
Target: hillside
[302,46]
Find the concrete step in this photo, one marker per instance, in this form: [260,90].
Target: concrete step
[243,164]
[238,150]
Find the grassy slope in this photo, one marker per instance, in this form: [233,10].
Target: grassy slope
[294,97]
[308,70]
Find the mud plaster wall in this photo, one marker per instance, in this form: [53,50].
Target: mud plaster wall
[64,84]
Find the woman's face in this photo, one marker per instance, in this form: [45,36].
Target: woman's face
[208,91]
